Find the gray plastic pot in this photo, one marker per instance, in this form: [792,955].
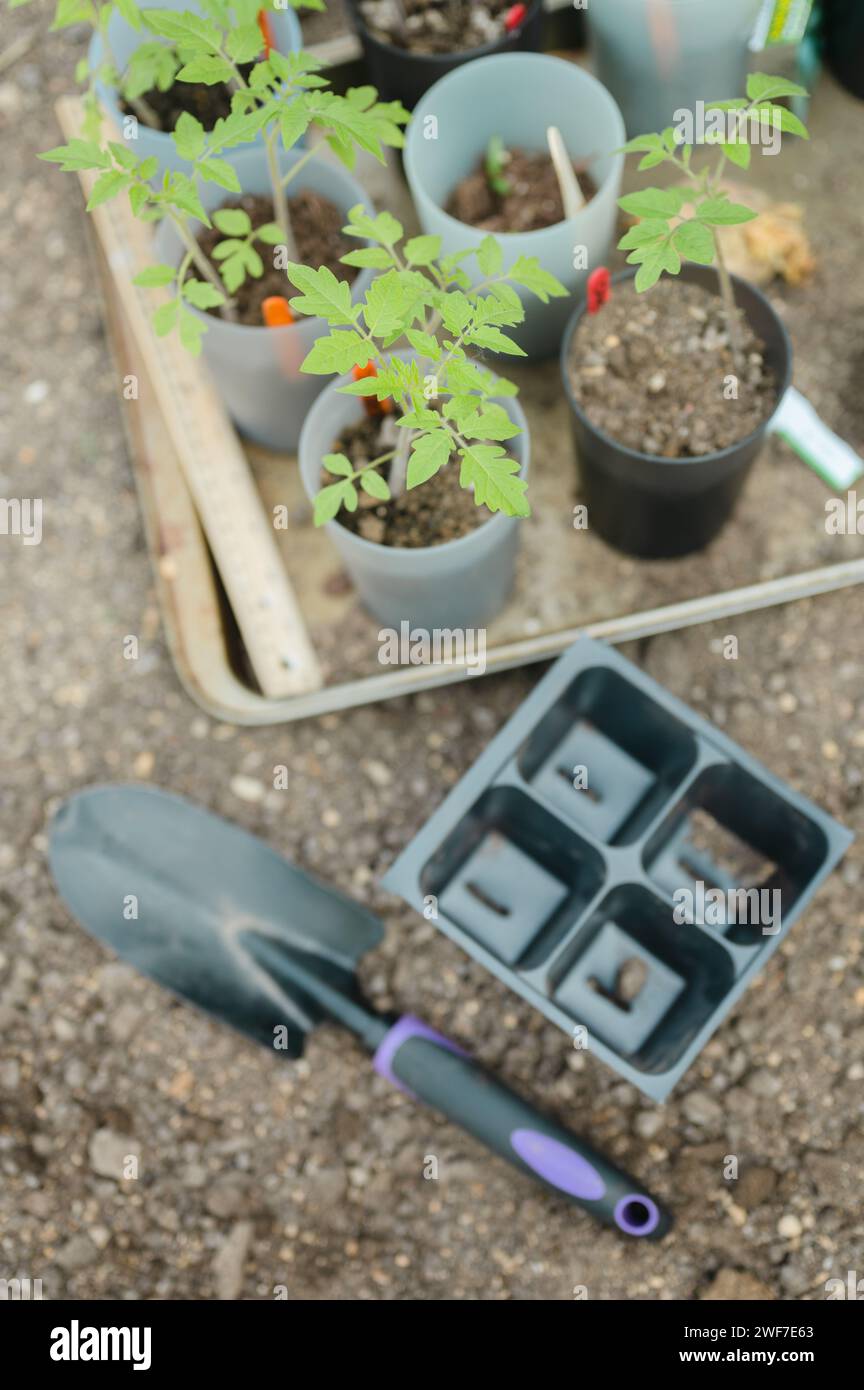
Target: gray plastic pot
[518,96]
[257,370]
[123,40]
[460,584]
[660,56]
[659,508]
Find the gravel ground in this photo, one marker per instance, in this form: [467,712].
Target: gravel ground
[253,1176]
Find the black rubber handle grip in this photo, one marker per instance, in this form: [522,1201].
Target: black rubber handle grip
[431,1068]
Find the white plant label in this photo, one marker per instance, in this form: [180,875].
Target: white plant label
[826,453]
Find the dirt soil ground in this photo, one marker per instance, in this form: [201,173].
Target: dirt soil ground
[254,1175]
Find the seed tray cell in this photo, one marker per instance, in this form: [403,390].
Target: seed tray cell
[579,859]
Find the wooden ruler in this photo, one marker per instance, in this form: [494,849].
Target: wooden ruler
[237,528]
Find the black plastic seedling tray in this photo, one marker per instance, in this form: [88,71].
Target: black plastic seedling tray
[563,859]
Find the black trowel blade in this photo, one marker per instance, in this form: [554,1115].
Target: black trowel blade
[172,889]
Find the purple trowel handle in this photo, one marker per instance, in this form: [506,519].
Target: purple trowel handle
[431,1068]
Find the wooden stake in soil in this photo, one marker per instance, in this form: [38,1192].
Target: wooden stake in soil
[571,193]
[239,532]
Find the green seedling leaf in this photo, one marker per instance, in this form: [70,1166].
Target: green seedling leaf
[361,97]
[123,155]
[202,295]
[369,258]
[494,478]
[165,317]
[368,386]
[153,64]
[373,484]
[763,86]
[385,303]
[107,186]
[72,12]
[270,233]
[490,257]
[694,241]
[487,336]
[244,43]
[650,161]
[785,119]
[293,124]
[190,30]
[665,257]
[496,159]
[529,273]
[653,202]
[339,465]
[456,311]
[139,197]
[343,150]
[384,228]
[184,195]
[206,70]
[640,144]
[424,343]
[78,154]
[155,276]
[223,249]
[233,270]
[492,422]
[130,12]
[240,127]
[219,171]
[643,234]
[419,420]
[331,499]
[422,250]
[192,330]
[502,305]
[189,136]
[337,353]
[722,212]
[465,377]
[429,453]
[233,222]
[738,153]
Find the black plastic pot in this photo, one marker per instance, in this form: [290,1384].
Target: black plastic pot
[403,76]
[658,508]
[843,35]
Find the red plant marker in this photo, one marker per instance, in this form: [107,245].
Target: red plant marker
[266,32]
[371,404]
[599,289]
[276,311]
[515,17]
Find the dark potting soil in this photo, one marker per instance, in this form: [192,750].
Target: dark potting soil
[437,26]
[317,225]
[650,370]
[206,104]
[438,511]
[534,199]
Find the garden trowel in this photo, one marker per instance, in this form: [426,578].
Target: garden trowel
[219,918]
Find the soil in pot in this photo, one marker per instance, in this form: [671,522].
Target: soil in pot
[438,511]
[533,199]
[206,104]
[652,371]
[437,26]
[317,226]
